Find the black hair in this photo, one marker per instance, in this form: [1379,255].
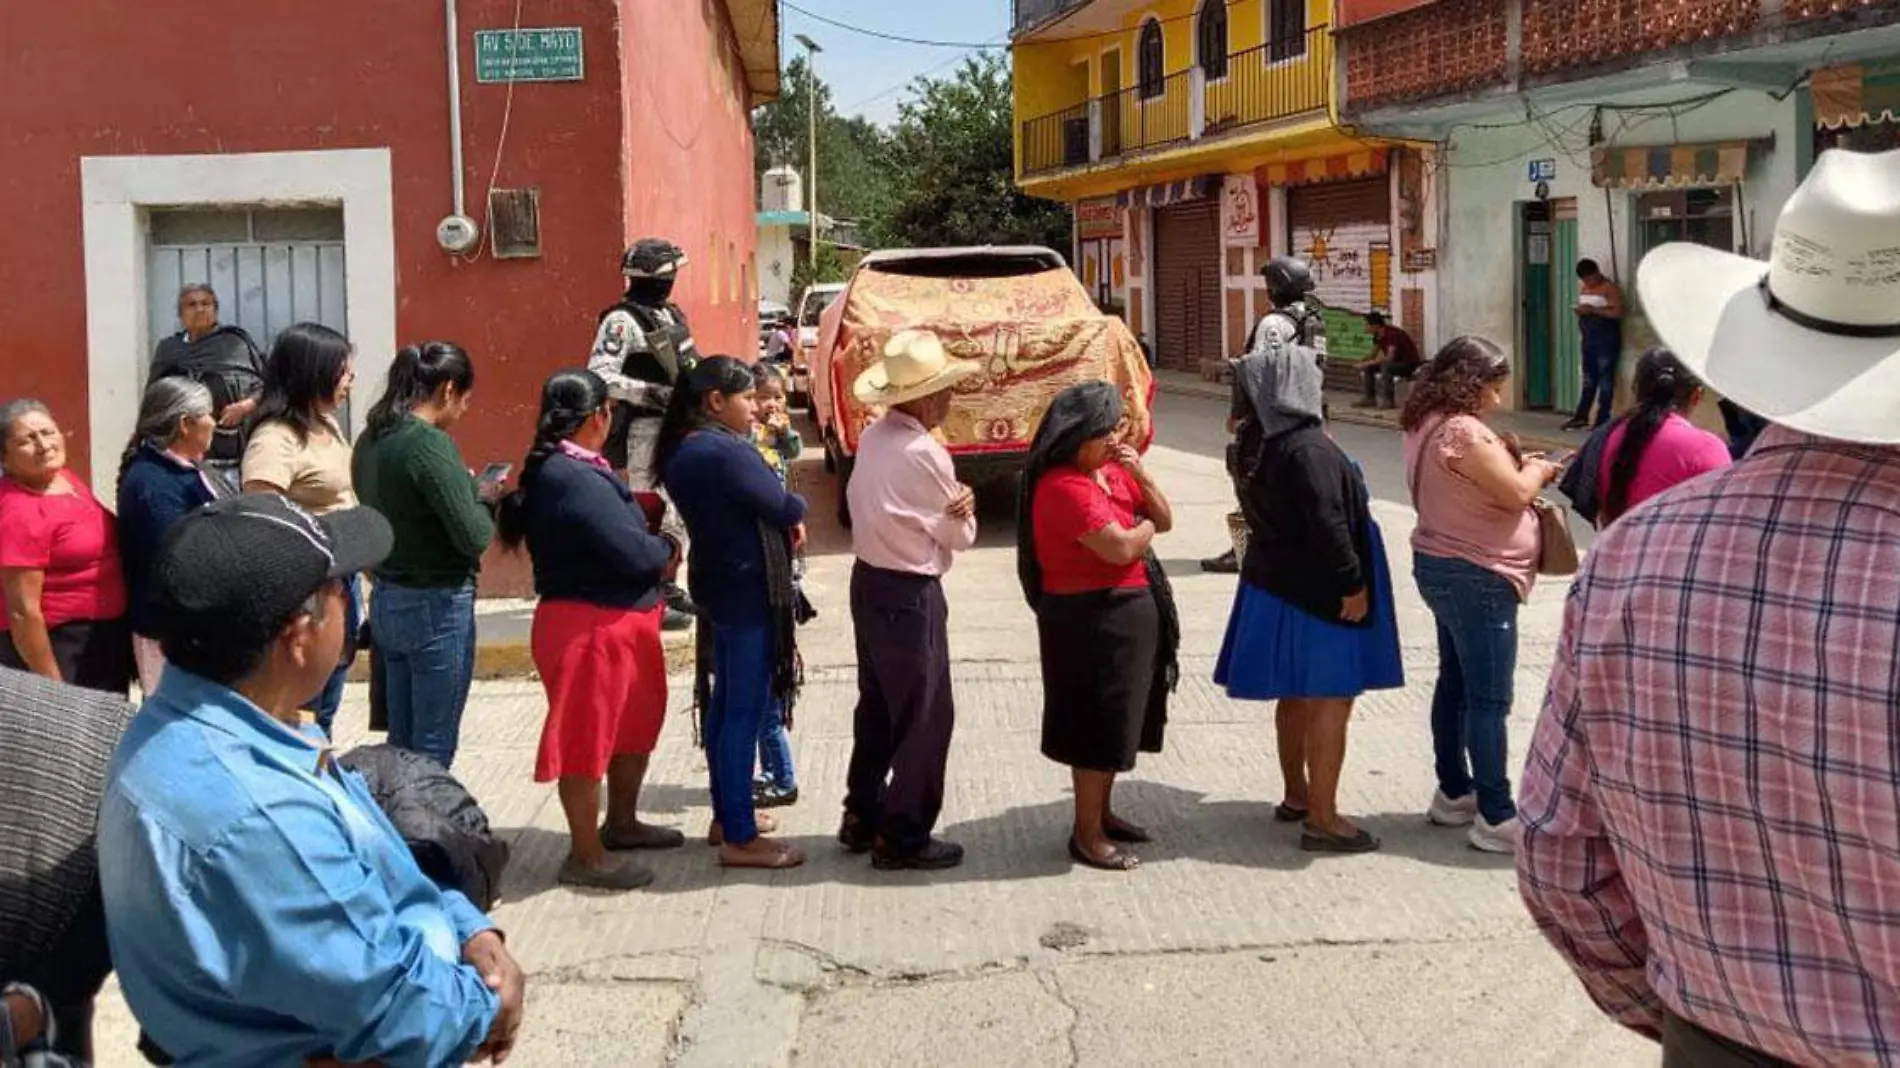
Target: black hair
[568,400]
[1663,386]
[306,367]
[715,374]
[1375,318]
[1588,269]
[418,372]
[764,374]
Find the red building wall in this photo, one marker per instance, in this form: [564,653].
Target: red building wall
[663,146]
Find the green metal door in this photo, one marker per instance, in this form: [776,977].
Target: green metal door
[1567,351]
[1533,246]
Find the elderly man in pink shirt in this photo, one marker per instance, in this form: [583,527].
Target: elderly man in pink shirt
[910,515]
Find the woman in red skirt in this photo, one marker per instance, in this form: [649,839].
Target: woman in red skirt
[598,567]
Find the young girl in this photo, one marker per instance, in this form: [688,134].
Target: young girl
[745,529]
[778,441]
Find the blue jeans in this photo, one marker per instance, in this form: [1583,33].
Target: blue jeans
[775,750]
[330,699]
[426,640]
[1476,610]
[1599,379]
[741,698]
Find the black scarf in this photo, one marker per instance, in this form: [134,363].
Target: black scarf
[1078,415]
[787,608]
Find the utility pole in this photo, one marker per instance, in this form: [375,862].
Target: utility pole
[811,174]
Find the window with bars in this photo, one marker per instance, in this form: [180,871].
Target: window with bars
[1701,216]
[1151,62]
[1286,29]
[1210,39]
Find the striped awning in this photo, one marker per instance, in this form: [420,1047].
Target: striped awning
[1160,196]
[1856,94]
[1668,166]
[1337,167]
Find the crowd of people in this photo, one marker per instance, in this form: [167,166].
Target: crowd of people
[1707,825]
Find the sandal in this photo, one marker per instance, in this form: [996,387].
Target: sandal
[1315,840]
[716,835]
[1285,813]
[642,836]
[1120,830]
[777,856]
[1118,860]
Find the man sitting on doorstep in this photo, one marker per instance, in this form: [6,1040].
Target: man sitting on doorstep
[1394,356]
[260,907]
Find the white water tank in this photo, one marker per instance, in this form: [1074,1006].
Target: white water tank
[781,190]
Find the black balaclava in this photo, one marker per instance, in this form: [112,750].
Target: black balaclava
[653,292]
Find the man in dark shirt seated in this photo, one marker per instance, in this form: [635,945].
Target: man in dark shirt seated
[1394,356]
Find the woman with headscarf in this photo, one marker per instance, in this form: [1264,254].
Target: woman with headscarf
[1104,611]
[1313,624]
[745,529]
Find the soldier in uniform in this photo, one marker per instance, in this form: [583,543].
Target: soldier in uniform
[1291,325]
[642,347]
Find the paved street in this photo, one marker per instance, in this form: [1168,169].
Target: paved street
[1228,947]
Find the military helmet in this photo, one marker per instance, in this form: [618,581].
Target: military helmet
[1288,279]
[653,257]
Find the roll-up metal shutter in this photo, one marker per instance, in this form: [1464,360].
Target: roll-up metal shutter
[1187,284]
[1344,232]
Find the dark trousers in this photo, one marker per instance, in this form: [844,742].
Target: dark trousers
[70,975]
[1599,379]
[1686,1045]
[905,710]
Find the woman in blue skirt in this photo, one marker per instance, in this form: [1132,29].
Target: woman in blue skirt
[1313,625]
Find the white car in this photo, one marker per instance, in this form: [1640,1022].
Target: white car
[811,305]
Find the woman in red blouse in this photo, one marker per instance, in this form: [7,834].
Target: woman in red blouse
[59,562]
[1104,612]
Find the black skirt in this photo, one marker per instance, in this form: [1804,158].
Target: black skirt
[92,653]
[1102,696]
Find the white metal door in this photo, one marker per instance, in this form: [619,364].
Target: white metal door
[270,268]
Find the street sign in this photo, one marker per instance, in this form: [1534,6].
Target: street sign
[1542,170]
[548,54]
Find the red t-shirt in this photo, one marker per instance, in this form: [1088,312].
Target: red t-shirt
[71,538]
[1069,506]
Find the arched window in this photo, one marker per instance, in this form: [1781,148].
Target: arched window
[1151,62]
[1210,39]
[1286,29]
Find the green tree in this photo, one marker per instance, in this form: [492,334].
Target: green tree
[953,167]
[852,152]
[830,269]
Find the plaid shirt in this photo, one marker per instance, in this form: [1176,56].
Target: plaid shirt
[1712,802]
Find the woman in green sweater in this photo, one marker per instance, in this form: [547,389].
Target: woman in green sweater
[423,609]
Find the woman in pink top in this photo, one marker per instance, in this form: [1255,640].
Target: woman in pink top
[1655,446]
[1474,557]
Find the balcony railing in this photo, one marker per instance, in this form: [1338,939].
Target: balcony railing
[1026,15]
[1275,81]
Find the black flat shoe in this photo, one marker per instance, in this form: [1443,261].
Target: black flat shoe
[856,835]
[1314,840]
[936,855]
[1128,834]
[1119,860]
[1285,813]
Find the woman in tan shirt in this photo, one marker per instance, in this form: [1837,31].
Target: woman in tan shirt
[297,449]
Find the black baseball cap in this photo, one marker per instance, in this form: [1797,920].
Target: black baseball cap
[241,567]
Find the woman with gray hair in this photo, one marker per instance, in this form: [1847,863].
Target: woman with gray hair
[59,562]
[160,482]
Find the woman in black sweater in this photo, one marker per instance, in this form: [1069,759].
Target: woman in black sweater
[1313,624]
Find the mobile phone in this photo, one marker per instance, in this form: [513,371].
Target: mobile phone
[1561,458]
[496,472]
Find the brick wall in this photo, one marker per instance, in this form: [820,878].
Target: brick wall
[1444,47]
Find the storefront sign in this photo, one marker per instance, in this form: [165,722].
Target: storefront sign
[551,54]
[1097,220]
[1541,170]
[1420,259]
[1242,213]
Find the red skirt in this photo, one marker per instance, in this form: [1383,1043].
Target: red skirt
[604,670]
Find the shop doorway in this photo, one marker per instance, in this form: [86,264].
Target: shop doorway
[1550,350]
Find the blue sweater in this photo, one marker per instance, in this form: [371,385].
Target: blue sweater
[588,538]
[156,492]
[724,489]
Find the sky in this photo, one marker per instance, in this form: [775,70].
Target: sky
[868,76]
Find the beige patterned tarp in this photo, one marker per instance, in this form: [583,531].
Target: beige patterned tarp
[1034,335]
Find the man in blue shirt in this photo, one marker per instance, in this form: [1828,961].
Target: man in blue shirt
[260,907]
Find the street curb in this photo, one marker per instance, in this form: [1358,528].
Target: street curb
[515,660]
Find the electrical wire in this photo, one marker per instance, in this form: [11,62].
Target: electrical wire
[487,244]
[882,36]
[997,44]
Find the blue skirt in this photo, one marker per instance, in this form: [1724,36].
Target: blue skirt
[1274,650]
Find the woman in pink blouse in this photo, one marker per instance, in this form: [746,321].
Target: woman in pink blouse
[1655,446]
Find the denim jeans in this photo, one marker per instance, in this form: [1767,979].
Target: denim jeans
[775,750]
[426,641]
[741,698]
[1599,380]
[1476,610]
[326,703]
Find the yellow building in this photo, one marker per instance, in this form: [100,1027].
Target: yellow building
[1195,139]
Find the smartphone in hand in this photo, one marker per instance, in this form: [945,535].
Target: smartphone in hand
[495,473]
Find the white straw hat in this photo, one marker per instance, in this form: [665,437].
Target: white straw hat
[1809,339]
[914,366]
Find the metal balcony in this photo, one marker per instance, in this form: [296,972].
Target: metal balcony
[1278,80]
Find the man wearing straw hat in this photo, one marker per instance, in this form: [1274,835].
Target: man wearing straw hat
[1710,831]
[910,515]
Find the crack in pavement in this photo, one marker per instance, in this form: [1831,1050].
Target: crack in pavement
[1051,981]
